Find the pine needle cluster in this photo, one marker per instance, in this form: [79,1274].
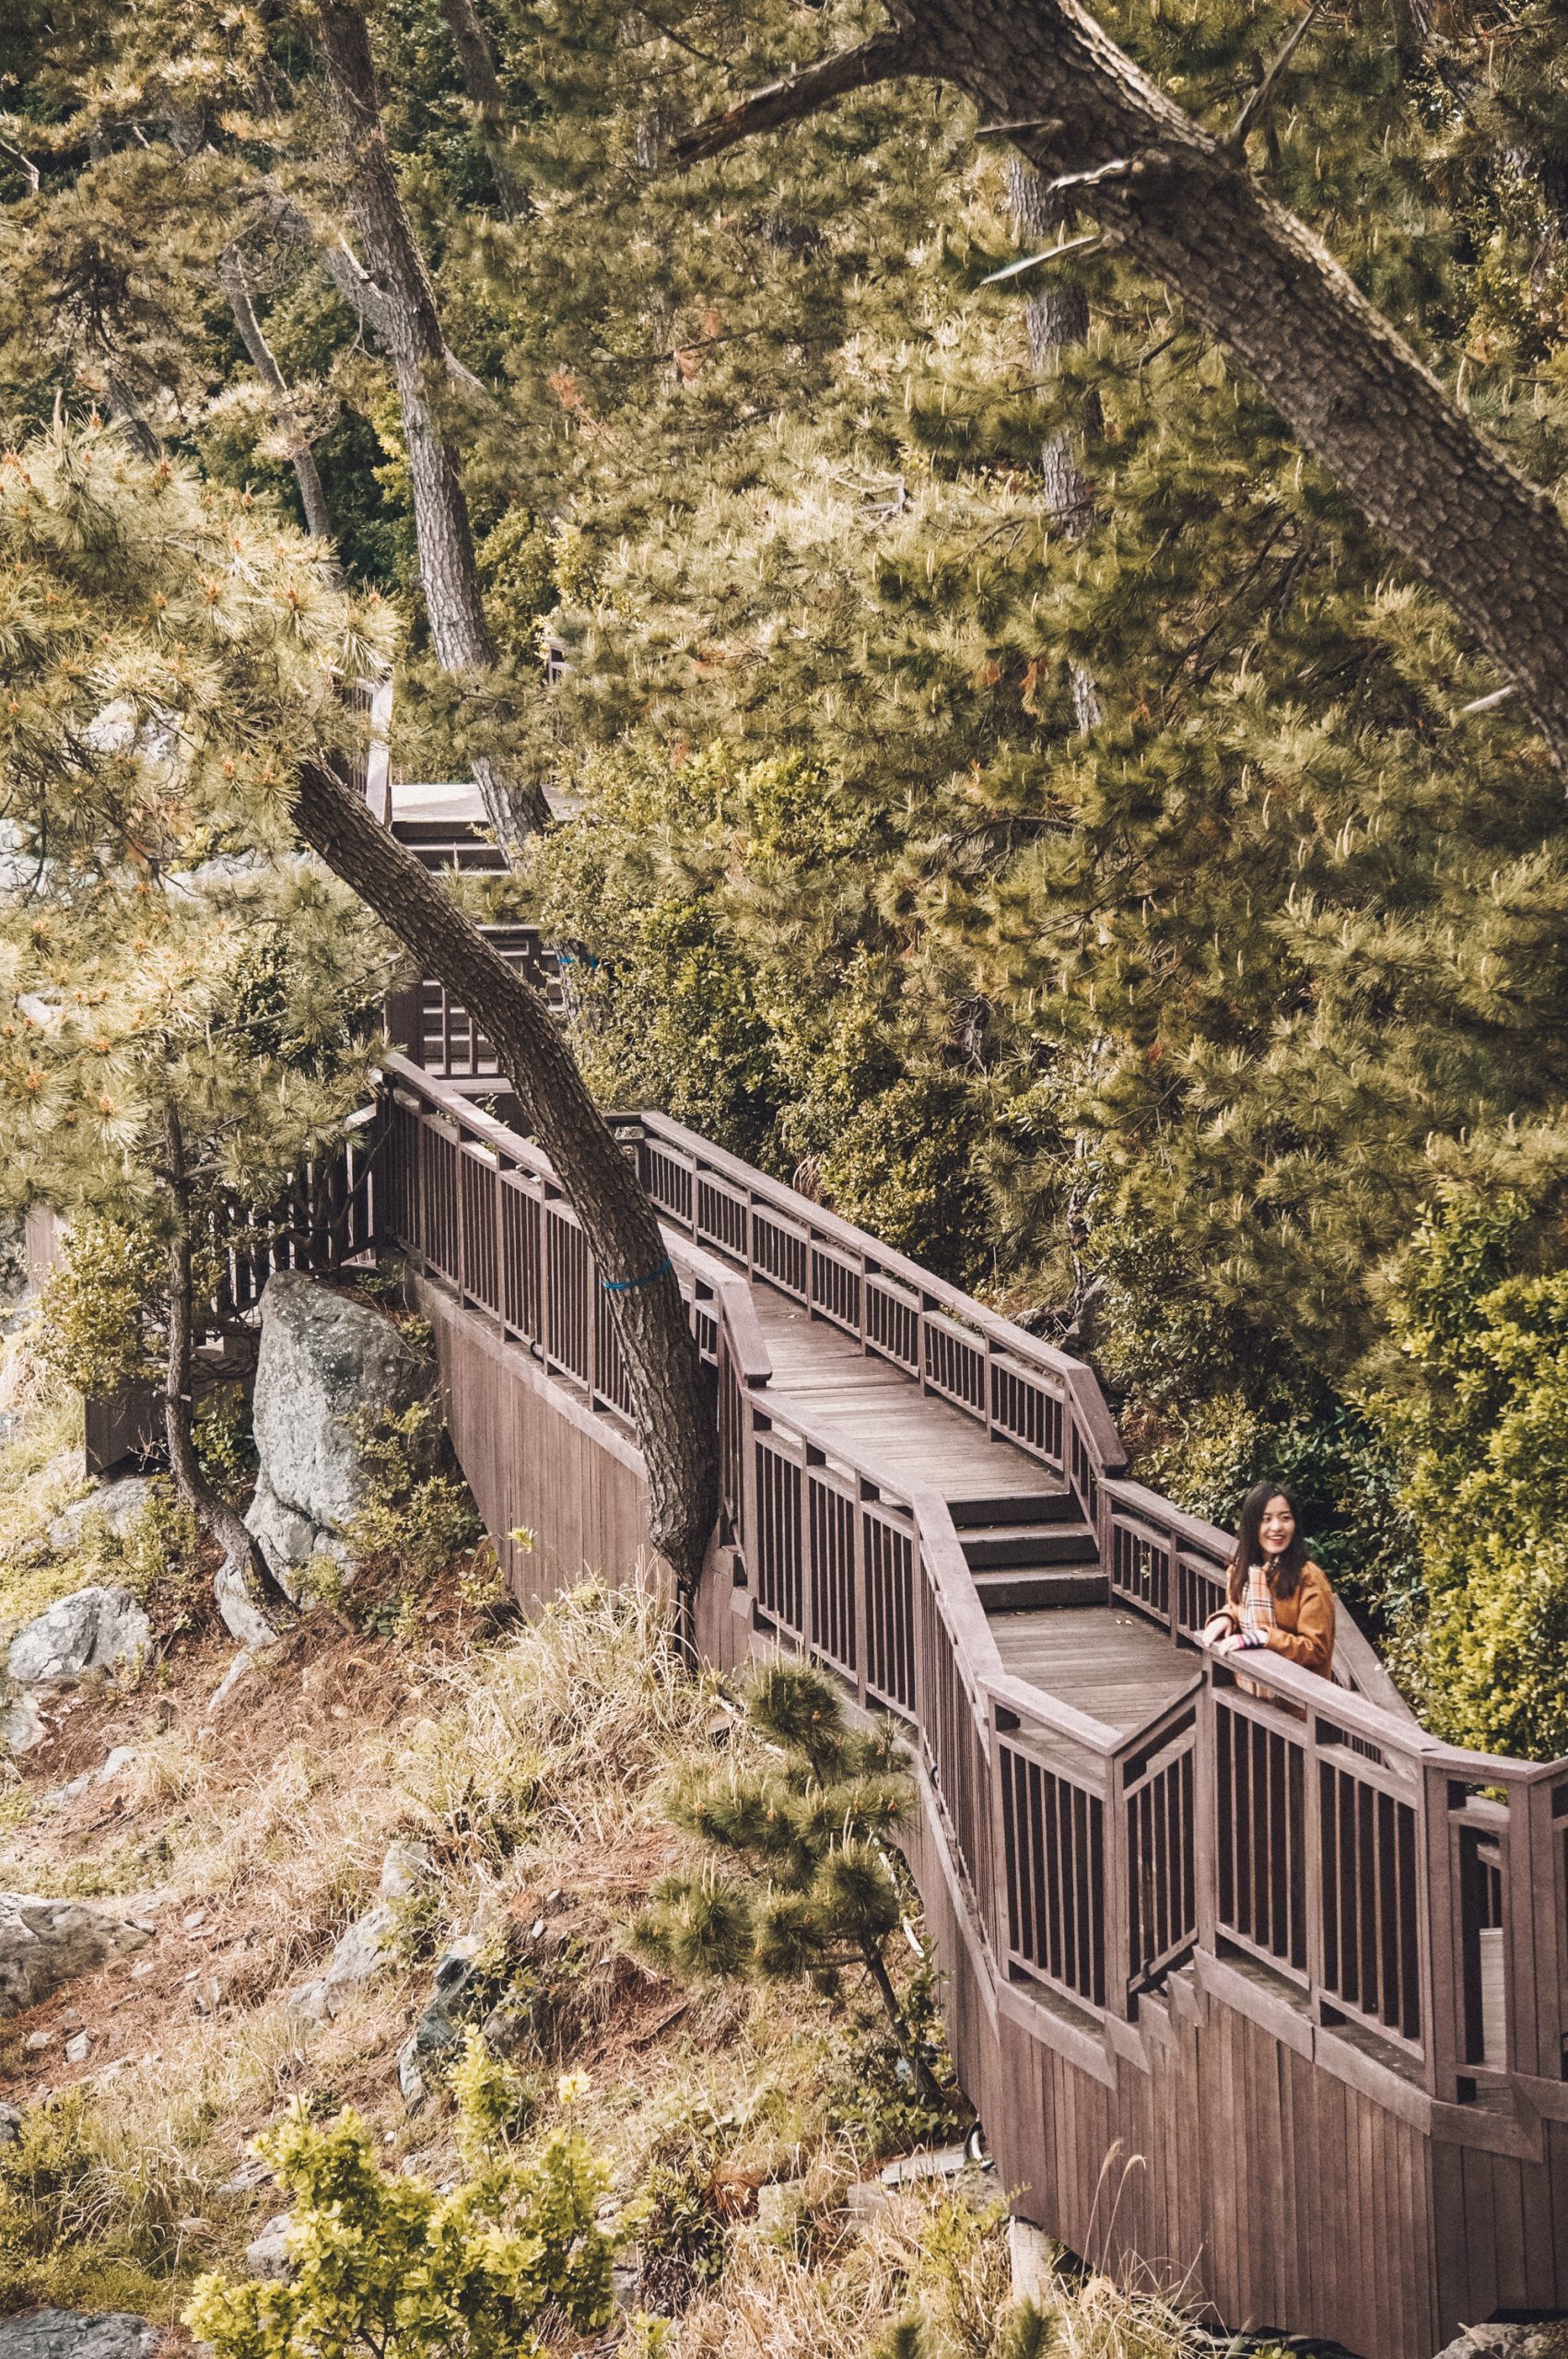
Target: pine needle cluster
[799,1880]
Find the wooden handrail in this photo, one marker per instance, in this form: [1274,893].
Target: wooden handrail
[995,1745]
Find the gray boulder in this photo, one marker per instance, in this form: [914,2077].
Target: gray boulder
[78,2334]
[326,1364]
[93,1630]
[121,1505]
[46,1942]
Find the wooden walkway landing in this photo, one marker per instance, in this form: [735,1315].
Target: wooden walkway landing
[1221,1956]
[1096,1657]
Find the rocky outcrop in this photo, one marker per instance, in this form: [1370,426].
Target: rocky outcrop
[78,2334]
[93,1630]
[46,1942]
[327,1367]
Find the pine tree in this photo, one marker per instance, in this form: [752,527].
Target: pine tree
[800,1882]
[169,665]
[172,1047]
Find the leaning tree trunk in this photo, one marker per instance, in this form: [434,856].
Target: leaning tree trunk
[671,1409]
[449,574]
[1056,317]
[1186,207]
[252,1605]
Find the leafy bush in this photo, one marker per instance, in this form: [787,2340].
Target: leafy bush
[387,2266]
[1484,1432]
[99,1304]
[419,1517]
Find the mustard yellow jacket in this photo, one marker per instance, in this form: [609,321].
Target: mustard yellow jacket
[1305,1621]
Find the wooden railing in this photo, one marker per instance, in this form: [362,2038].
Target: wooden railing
[433,1028]
[1329,1862]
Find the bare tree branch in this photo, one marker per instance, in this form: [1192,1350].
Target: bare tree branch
[800,95]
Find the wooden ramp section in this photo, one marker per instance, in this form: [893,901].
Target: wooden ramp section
[1259,1990]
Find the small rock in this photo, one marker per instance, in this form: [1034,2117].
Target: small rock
[625,2278]
[91,1630]
[10,2125]
[36,2041]
[775,2200]
[59,1797]
[78,2046]
[407,1865]
[268,2254]
[46,1942]
[122,1505]
[231,1680]
[22,1725]
[194,1922]
[410,2080]
[1545,2342]
[358,1954]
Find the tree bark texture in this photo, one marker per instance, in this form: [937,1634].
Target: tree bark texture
[411,329]
[1098,130]
[482,84]
[301,458]
[1056,315]
[1339,375]
[252,1605]
[671,1409]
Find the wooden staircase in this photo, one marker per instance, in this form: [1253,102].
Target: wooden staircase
[1030,1554]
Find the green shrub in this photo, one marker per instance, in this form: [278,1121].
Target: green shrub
[1484,1434]
[800,1882]
[419,1517]
[387,2266]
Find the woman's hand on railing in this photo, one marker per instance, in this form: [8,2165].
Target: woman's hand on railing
[1220,1632]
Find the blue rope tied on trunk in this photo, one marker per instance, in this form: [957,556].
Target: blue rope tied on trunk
[648,1277]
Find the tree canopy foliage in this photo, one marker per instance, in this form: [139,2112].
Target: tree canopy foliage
[1010,785]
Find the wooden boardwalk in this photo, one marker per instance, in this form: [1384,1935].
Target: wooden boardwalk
[1259,1990]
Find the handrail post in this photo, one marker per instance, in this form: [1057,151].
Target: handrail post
[1114,1913]
[1000,1942]
[1441,1932]
[1205,1817]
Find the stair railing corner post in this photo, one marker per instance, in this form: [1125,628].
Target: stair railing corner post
[1441,1932]
[1205,1818]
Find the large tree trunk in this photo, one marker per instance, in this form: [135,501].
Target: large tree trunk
[671,1409]
[301,458]
[476,62]
[412,329]
[252,1605]
[1255,276]
[1186,204]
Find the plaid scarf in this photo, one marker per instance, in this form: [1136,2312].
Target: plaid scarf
[1257,1614]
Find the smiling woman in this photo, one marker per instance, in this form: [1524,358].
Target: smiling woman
[1276,1596]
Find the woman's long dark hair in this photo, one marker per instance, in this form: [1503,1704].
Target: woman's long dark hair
[1286,1569]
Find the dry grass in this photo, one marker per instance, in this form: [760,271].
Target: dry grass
[531,1766]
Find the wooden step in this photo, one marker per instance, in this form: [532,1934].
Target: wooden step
[1016,1507]
[1028,1544]
[1025,1593]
